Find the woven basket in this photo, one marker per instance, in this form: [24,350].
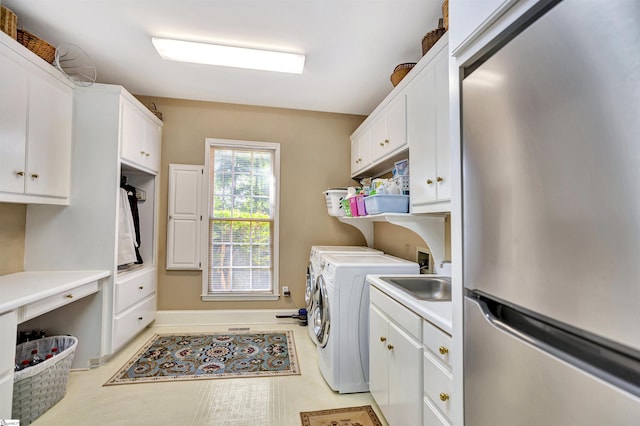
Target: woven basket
[38,388]
[432,37]
[445,14]
[37,45]
[8,22]
[400,71]
[154,109]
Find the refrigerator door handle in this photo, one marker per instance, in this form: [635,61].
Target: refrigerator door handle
[617,366]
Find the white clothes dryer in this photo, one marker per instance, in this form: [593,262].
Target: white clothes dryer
[316,263]
[341,317]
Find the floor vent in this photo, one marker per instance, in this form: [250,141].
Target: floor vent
[239,329]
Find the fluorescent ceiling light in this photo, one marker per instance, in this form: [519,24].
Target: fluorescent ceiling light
[228,56]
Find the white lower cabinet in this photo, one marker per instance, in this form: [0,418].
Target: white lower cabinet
[134,306]
[410,374]
[438,377]
[130,322]
[395,361]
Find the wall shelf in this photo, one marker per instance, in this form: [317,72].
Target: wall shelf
[430,227]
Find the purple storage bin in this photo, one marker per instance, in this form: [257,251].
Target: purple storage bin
[362,210]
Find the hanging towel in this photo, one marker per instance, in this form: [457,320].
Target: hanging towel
[133,203]
[126,231]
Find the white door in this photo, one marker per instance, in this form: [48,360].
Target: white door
[185,216]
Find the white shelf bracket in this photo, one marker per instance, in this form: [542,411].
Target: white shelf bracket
[429,227]
[364,226]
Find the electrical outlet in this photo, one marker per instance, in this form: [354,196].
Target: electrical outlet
[285,291]
[423,258]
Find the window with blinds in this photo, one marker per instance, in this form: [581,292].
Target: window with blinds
[243,211]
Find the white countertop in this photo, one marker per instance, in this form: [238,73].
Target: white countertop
[438,313]
[22,288]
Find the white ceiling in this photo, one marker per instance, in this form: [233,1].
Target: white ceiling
[352,46]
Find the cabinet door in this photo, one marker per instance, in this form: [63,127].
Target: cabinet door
[132,137]
[443,144]
[185,216]
[379,136]
[361,152]
[421,134]
[405,378]
[397,123]
[13,122]
[152,144]
[389,129]
[379,359]
[49,138]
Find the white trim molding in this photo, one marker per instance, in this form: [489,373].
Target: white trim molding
[223,316]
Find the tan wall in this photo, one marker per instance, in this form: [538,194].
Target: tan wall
[315,155]
[12,226]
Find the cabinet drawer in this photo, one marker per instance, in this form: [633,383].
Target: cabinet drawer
[407,319]
[50,303]
[431,415]
[133,290]
[8,325]
[132,321]
[438,383]
[437,342]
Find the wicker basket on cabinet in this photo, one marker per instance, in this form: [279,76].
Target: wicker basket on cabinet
[8,22]
[37,45]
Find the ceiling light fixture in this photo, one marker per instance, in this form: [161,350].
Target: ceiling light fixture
[228,56]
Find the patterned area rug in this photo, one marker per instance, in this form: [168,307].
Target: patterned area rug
[167,357]
[352,416]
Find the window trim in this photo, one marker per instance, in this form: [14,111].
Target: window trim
[238,296]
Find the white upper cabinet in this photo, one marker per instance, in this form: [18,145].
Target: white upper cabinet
[49,139]
[141,138]
[428,134]
[36,110]
[14,89]
[360,151]
[388,130]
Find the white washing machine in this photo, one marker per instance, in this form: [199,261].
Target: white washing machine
[341,316]
[316,263]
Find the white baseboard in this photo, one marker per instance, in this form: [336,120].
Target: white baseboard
[226,317]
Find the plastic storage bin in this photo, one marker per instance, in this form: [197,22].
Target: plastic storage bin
[346,207]
[40,387]
[362,208]
[353,206]
[387,203]
[334,199]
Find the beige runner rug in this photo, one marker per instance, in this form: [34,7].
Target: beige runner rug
[351,416]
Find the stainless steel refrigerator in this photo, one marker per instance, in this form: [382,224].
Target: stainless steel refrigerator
[551,219]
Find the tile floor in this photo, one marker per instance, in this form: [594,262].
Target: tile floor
[268,401]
